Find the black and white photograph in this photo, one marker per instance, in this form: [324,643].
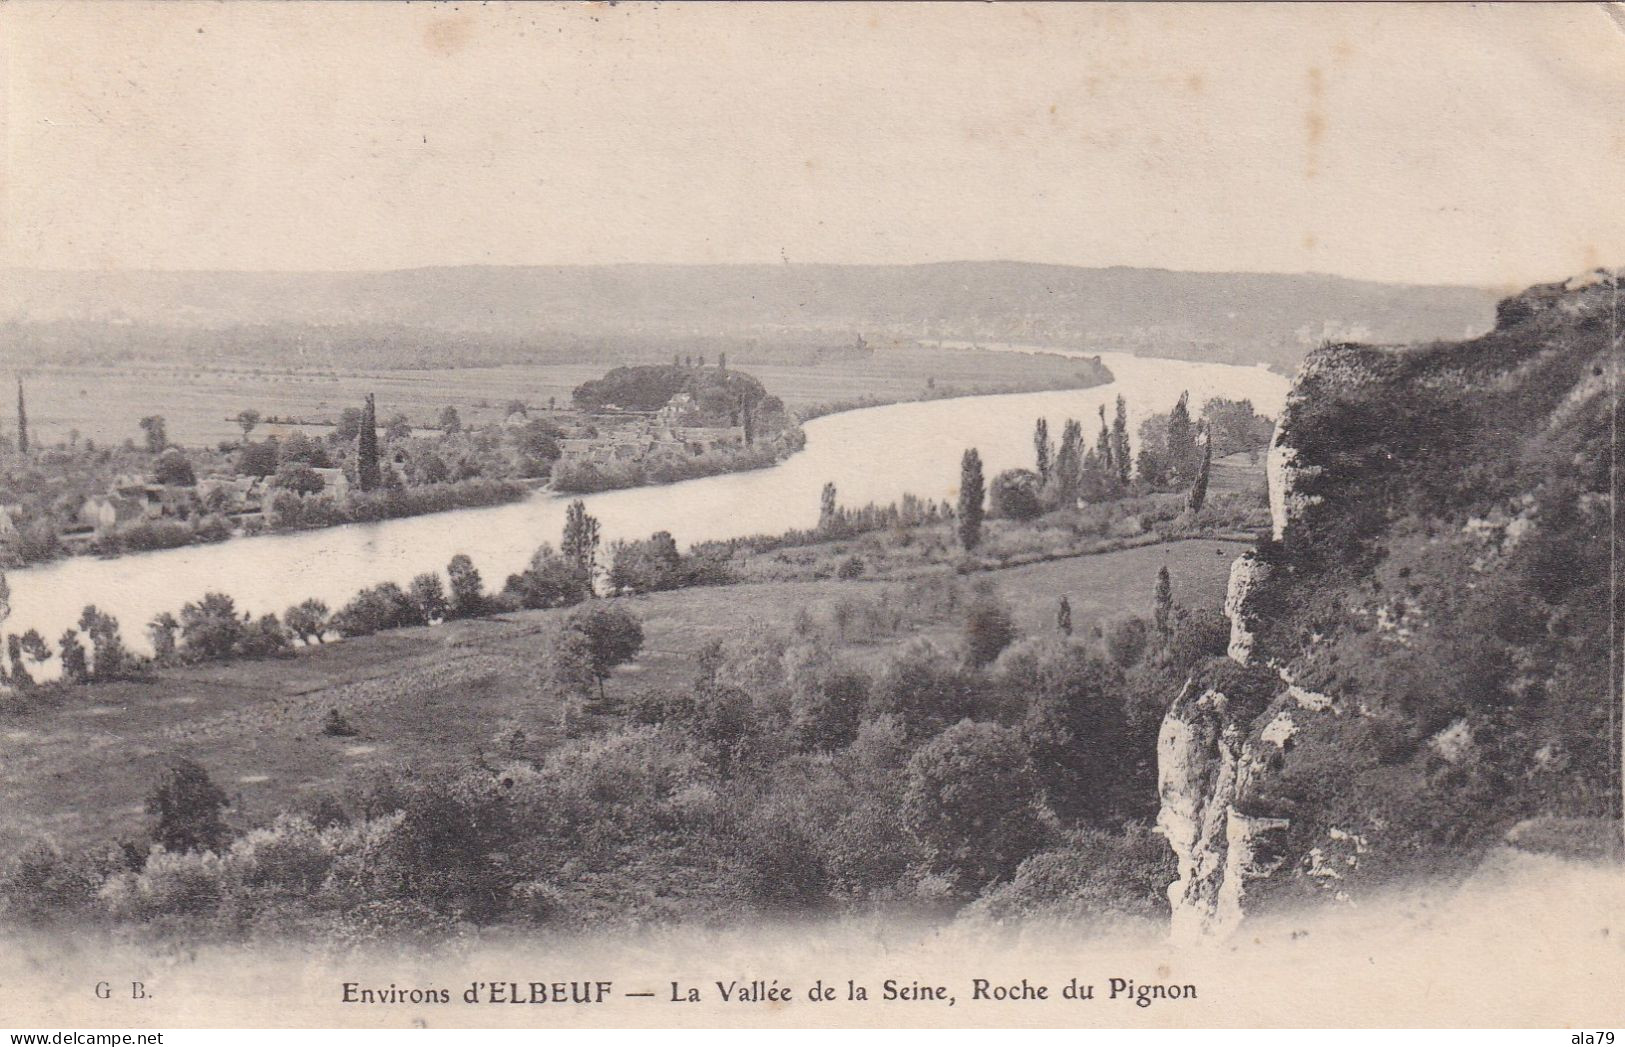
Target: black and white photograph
[810,515]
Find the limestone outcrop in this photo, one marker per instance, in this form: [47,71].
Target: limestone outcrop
[1401,483]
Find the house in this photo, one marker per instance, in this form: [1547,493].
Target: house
[335,485]
[103,513]
[700,439]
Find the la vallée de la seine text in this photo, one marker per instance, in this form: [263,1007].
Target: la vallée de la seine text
[770,991]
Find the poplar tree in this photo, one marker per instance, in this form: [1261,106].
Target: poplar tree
[1121,457]
[1044,448]
[580,544]
[1069,460]
[366,469]
[827,509]
[1198,492]
[1063,617]
[1181,458]
[971,492]
[1163,605]
[22,420]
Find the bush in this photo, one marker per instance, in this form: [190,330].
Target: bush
[188,805]
[378,609]
[973,803]
[1095,874]
[1014,495]
[211,628]
[337,726]
[43,885]
[988,630]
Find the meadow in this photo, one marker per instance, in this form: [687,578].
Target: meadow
[82,760]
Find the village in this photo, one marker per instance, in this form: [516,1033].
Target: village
[72,497]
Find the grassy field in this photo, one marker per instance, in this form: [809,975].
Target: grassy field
[106,404]
[78,766]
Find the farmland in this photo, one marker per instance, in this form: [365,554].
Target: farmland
[106,403]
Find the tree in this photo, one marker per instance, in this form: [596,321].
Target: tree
[1063,617]
[1235,425]
[397,428]
[569,672]
[1044,449]
[972,800]
[263,637]
[367,474]
[174,469]
[1181,445]
[1198,491]
[988,629]
[1014,495]
[188,805]
[451,422]
[22,420]
[258,459]
[648,566]
[1103,450]
[614,637]
[515,407]
[29,647]
[105,643]
[157,435]
[1163,605]
[971,493]
[1068,465]
[300,448]
[162,631]
[211,628]
[581,537]
[75,663]
[1121,458]
[298,478]
[307,620]
[247,419]
[1126,640]
[828,508]
[467,588]
[430,595]
[349,426]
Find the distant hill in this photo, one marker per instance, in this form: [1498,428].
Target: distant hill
[1231,317]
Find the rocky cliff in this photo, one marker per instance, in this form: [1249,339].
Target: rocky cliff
[1418,657]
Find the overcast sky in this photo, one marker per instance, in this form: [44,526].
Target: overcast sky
[1456,144]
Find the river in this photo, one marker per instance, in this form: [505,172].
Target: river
[876,454]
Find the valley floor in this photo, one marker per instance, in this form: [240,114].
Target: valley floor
[80,763]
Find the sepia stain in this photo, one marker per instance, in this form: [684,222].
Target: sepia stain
[1315,121]
[446,36]
[1193,83]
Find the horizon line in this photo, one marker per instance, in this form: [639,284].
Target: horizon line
[1311,273]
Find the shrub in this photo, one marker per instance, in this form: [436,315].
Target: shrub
[42,884]
[335,725]
[211,628]
[973,803]
[188,805]
[1014,495]
[1126,640]
[988,630]
[1094,874]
